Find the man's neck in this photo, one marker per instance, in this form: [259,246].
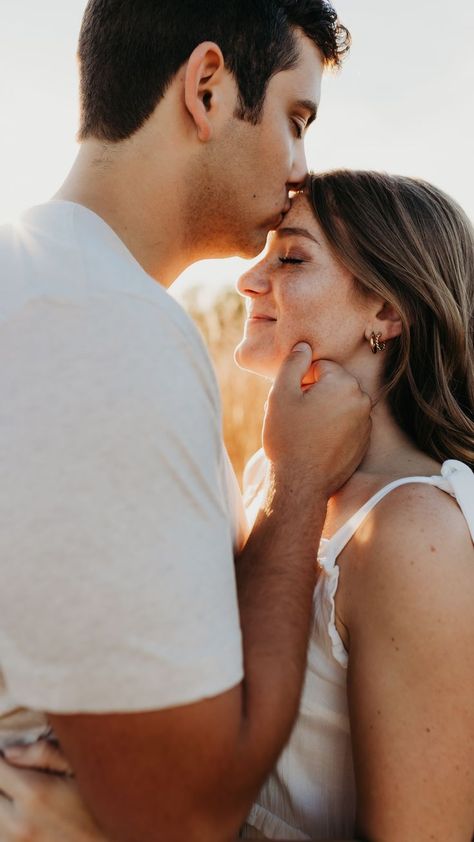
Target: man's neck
[113,184]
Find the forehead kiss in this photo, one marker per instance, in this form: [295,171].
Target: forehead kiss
[298,291]
[299,232]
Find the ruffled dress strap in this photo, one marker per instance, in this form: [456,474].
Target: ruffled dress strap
[456,479]
[459,480]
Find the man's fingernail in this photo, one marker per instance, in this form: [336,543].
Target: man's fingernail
[302,346]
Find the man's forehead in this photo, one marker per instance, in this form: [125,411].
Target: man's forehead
[304,79]
[310,56]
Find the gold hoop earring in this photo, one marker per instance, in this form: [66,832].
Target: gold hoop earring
[376,344]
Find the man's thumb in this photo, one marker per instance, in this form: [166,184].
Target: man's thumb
[295,366]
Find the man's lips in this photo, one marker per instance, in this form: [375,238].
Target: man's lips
[278,218]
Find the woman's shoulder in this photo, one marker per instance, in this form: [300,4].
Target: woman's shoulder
[413,550]
[413,515]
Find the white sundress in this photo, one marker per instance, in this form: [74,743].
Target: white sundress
[311,792]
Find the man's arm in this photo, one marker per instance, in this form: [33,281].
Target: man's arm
[49,808]
[194,770]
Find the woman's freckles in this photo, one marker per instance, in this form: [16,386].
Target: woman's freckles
[298,288]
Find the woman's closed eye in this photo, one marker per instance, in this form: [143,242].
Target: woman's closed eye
[291,260]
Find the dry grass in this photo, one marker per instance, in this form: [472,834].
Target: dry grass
[243,394]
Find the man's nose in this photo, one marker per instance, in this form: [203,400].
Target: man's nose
[299,171]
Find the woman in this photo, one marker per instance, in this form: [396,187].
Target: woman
[377,273]
[384,265]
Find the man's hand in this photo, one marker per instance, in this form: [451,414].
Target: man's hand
[317,423]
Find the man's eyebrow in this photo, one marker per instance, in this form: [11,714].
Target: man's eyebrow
[308,105]
[296,232]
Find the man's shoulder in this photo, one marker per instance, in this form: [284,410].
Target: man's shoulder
[62,263]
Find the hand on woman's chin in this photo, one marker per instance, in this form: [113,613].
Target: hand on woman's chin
[268,367]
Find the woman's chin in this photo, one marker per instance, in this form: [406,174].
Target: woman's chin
[255,363]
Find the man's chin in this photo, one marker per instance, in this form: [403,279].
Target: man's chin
[254,243]
[251,250]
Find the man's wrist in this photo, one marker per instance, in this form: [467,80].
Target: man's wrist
[292,511]
[295,485]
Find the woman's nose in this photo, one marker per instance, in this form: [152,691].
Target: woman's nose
[255,282]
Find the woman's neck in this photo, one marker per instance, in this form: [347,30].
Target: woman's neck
[391,455]
[391,451]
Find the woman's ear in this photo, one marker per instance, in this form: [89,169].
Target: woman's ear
[387,322]
[203,77]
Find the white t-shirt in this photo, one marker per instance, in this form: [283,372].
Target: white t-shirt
[116,496]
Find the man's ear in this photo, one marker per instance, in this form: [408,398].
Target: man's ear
[387,322]
[204,76]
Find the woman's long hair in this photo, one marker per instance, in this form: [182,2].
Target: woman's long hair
[411,245]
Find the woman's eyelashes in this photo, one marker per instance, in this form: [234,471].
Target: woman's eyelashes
[291,260]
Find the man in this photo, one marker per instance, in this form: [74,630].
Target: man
[119,617]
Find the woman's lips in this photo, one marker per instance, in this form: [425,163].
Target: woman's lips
[260,319]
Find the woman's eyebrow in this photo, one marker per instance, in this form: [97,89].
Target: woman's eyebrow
[296,232]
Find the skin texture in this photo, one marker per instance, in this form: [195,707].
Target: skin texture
[193,771]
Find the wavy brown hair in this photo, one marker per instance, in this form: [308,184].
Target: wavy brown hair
[409,243]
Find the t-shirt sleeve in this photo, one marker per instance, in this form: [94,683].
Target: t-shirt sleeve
[118,589]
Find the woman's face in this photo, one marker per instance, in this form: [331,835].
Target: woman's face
[299,291]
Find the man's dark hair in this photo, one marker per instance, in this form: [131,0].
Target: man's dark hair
[130,51]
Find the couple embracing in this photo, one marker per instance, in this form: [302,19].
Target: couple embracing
[172,664]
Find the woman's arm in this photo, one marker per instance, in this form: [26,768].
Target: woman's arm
[407,599]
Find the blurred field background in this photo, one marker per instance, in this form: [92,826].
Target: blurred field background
[243,394]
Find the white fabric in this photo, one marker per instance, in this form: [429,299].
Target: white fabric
[311,793]
[117,575]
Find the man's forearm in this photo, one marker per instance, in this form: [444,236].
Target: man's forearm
[276,576]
